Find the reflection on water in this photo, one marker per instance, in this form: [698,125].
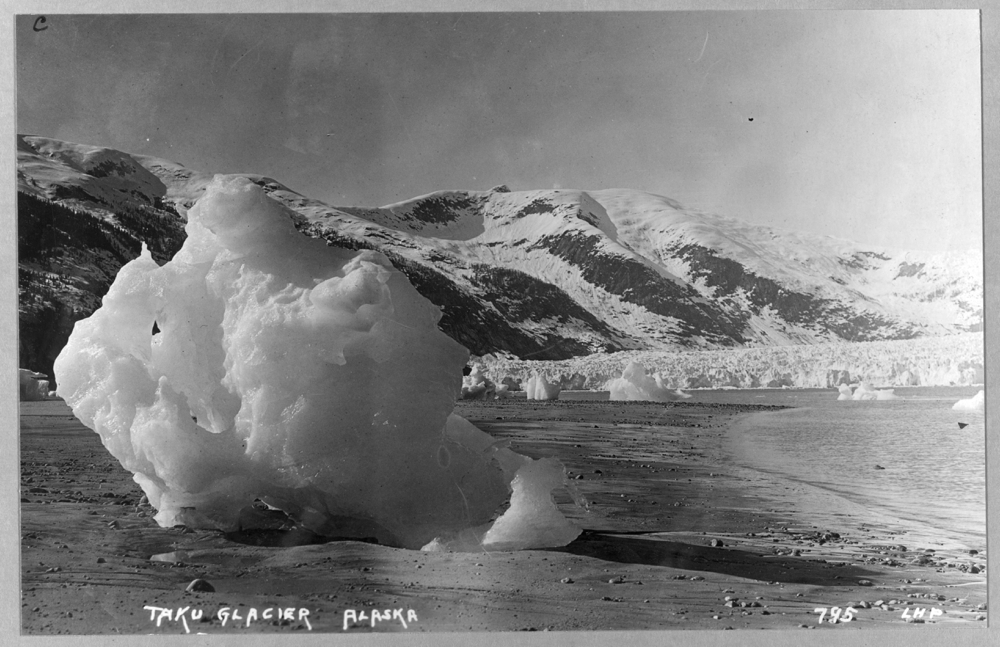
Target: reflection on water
[904,458]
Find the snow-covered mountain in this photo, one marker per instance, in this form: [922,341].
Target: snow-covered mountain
[546,274]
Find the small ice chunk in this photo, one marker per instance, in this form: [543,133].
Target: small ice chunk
[476,386]
[174,557]
[845,392]
[533,520]
[866,392]
[975,403]
[635,384]
[538,388]
[31,386]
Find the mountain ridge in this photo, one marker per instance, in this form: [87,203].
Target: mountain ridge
[542,274]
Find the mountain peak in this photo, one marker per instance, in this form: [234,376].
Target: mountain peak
[555,273]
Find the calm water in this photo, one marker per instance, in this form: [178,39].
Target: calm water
[933,485]
[934,476]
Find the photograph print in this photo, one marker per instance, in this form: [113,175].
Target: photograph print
[398,323]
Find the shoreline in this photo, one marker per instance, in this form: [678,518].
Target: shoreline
[671,532]
[954,524]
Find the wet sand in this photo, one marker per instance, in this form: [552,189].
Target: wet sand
[675,538]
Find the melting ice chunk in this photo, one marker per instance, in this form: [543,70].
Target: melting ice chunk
[975,403]
[866,392]
[311,377]
[32,388]
[635,384]
[477,386]
[538,388]
[533,515]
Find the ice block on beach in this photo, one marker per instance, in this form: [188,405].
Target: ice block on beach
[310,377]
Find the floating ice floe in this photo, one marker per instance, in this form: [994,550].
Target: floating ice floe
[845,392]
[635,384]
[311,377]
[975,403]
[538,388]
[866,392]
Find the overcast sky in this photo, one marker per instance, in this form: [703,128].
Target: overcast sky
[859,124]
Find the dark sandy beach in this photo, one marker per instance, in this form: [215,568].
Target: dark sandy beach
[674,539]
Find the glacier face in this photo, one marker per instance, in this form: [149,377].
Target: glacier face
[953,360]
[547,274]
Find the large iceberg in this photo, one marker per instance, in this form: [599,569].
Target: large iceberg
[635,384]
[262,364]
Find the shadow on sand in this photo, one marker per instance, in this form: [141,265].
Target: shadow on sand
[643,548]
